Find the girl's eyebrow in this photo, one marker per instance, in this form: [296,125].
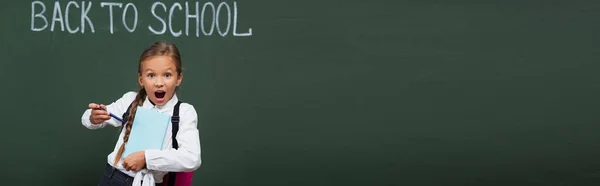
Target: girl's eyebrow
[168,70]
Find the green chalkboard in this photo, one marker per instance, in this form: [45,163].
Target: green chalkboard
[316,93]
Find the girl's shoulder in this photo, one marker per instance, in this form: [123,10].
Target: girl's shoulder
[129,96]
[187,109]
[187,114]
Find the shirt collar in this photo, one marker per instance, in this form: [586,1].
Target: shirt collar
[168,106]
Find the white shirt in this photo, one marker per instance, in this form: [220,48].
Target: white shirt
[185,159]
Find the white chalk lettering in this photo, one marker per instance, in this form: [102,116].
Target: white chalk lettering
[38,15]
[164,28]
[193,16]
[235,18]
[110,11]
[199,16]
[135,17]
[67,17]
[57,17]
[228,18]
[178,33]
[84,16]
[212,26]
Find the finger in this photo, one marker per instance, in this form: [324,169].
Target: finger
[93,105]
[103,117]
[103,106]
[100,112]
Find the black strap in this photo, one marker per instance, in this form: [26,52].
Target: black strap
[175,129]
[126,116]
[175,122]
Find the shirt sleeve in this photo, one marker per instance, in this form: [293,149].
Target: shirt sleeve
[117,108]
[187,157]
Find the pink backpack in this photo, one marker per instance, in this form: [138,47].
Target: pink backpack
[181,179]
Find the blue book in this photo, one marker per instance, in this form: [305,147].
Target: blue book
[148,131]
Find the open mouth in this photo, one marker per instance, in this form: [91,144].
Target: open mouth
[160,94]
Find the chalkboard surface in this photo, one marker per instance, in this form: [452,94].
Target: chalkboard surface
[307,93]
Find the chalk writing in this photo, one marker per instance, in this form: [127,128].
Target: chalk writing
[212,26]
[135,18]
[201,18]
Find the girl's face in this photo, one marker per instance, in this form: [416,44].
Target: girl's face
[159,78]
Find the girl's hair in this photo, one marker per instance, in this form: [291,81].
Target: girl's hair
[159,48]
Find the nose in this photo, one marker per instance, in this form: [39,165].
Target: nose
[159,82]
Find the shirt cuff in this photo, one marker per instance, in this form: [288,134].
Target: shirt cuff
[151,155]
[87,123]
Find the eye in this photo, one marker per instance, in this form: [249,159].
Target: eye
[168,75]
[150,75]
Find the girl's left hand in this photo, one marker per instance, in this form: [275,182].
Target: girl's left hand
[135,161]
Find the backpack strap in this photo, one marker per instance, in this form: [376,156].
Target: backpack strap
[175,129]
[126,116]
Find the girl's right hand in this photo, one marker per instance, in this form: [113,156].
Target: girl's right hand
[98,116]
